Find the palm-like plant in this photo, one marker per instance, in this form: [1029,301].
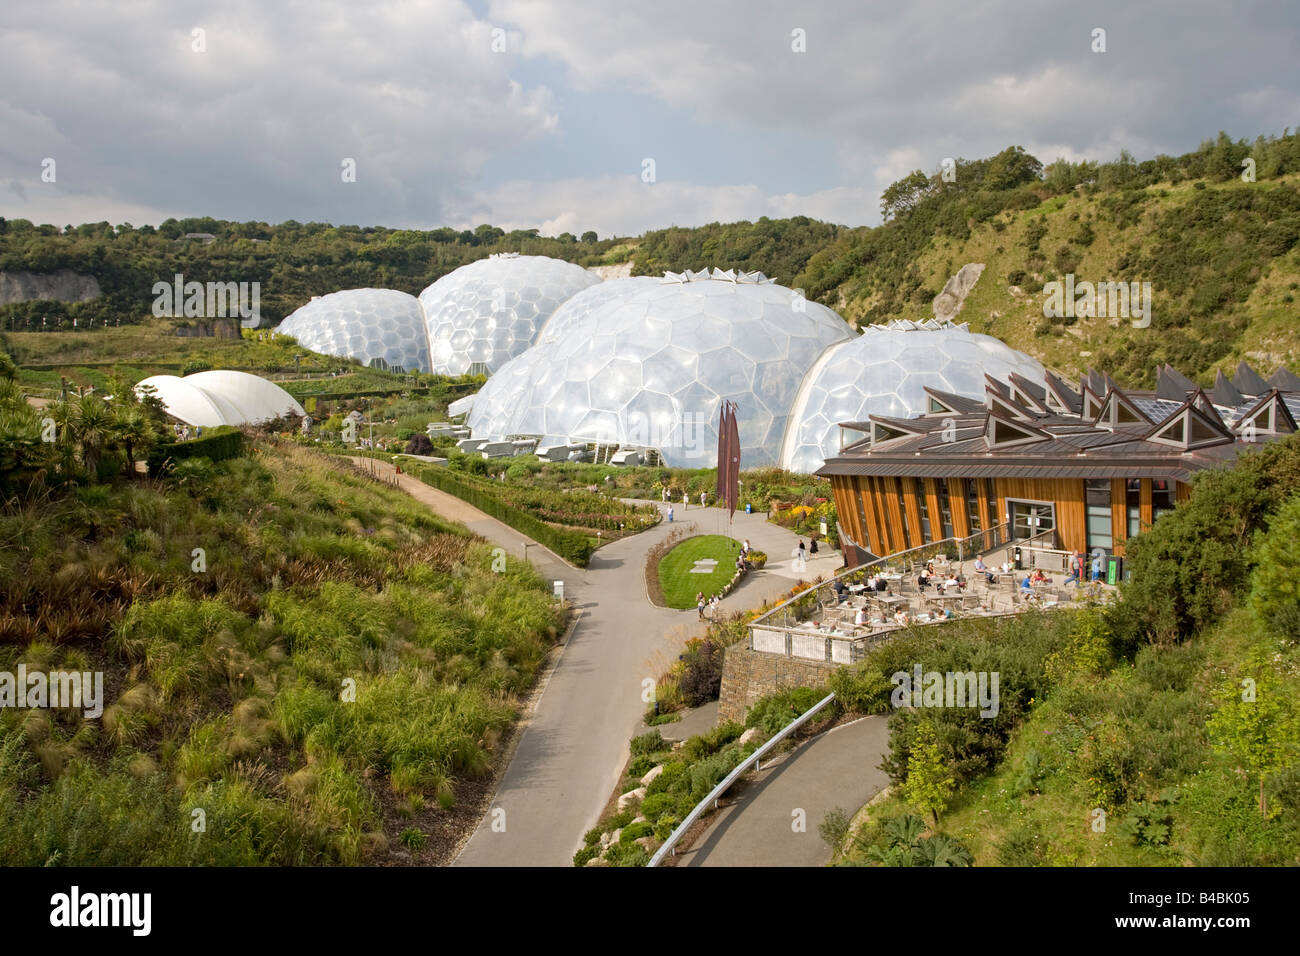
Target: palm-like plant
[907,847]
[91,424]
[133,431]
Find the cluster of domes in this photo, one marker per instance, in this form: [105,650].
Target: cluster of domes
[647,362]
[472,320]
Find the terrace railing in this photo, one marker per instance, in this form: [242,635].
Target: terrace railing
[901,562]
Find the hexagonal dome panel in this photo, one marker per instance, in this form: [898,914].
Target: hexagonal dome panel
[363,324]
[487,312]
[884,371]
[659,356]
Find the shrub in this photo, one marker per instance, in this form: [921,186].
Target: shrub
[834,828]
[634,831]
[656,805]
[650,743]
[418,444]
[711,741]
[757,559]
[217,445]
[701,676]
[772,713]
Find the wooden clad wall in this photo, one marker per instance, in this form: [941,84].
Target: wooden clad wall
[915,533]
[1065,493]
[957,503]
[846,511]
[870,511]
[894,513]
[931,489]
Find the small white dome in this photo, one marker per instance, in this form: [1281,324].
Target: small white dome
[221,397]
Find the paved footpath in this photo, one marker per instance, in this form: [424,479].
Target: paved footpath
[574,745]
[837,769]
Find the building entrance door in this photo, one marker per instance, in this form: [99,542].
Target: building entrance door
[1031,518]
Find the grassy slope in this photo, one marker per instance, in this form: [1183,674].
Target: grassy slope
[1013,314]
[226,690]
[679,585]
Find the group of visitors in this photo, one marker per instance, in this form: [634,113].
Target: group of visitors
[183,433]
[742,559]
[951,580]
[710,604]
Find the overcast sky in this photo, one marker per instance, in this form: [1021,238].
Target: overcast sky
[554,130]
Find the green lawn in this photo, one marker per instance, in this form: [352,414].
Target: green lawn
[679,585]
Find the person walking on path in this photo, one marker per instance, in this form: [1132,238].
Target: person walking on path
[704,497]
[699,605]
[665,493]
[670,514]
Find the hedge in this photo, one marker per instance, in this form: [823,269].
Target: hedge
[217,445]
[573,546]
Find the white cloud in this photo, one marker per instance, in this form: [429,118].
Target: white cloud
[623,205]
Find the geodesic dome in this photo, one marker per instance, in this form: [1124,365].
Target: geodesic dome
[364,324]
[884,372]
[486,312]
[647,363]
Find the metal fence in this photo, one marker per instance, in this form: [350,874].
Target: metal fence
[752,760]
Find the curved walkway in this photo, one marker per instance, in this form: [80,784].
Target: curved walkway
[840,768]
[573,746]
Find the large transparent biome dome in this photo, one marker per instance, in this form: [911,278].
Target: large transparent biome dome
[486,312]
[364,324]
[884,372]
[647,363]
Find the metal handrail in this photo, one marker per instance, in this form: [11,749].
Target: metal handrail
[731,778]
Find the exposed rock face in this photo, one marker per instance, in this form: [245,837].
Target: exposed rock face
[62,286]
[949,302]
[620,271]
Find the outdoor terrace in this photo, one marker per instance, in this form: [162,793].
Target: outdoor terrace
[820,623]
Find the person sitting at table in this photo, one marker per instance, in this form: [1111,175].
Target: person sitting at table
[1038,577]
[900,617]
[861,617]
[961,583]
[1025,584]
[947,614]
[951,581]
[881,584]
[923,579]
[839,589]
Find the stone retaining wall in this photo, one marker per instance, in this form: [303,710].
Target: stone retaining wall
[748,676]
